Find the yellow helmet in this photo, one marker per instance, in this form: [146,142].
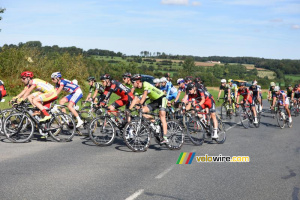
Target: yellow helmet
[230,80]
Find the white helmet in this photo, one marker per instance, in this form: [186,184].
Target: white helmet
[2,83]
[156,80]
[277,88]
[163,79]
[180,80]
[56,75]
[223,81]
[272,84]
[75,82]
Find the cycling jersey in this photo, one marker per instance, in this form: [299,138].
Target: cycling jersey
[117,88]
[171,91]
[209,102]
[182,89]
[97,86]
[244,92]
[2,91]
[153,92]
[272,91]
[289,92]
[255,89]
[280,97]
[128,85]
[225,88]
[201,86]
[68,86]
[41,86]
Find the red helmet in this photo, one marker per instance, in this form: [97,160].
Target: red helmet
[27,74]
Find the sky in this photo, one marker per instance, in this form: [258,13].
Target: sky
[255,28]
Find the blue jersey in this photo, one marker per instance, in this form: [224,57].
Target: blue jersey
[170,89]
[69,86]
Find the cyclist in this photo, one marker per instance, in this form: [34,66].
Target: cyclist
[247,97]
[181,88]
[2,90]
[283,100]
[188,79]
[168,88]
[157,98]
[126,80]
[296,93]
[113,86]
[227,95]
[156,82]
[97,88]
[74,96]
[45,93]
[199,83]
[233,89]
[271,93]
[201,100]
[256,93]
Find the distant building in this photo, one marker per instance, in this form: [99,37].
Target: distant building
[215,62]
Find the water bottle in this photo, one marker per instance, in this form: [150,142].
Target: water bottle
[157,128]
[152,126]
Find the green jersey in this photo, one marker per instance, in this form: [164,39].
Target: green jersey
[97,86]
[153,92]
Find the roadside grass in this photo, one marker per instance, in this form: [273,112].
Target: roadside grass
[294,77]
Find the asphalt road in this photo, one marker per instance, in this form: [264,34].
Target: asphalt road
[81,170]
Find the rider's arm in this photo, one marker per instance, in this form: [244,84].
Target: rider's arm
[95,94]
[59,89]
[144,97]
[28,91]
[178,95]
[22,93]
[219,93]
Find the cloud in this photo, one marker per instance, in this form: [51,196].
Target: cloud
[296,26]
[175,2]
[196,3]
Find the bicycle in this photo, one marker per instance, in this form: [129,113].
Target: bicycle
[247,116]
[282,116]
[102,129]
[226,109]
[200,128]
[138,132]
[19,127]
[295,107]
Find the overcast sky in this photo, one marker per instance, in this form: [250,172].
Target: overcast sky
[257,28]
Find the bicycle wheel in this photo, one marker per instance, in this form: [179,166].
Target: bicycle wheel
[280,117]
[175,135]
[18,128]
[221,132]
[137,136]
[61,127]
[102,131]
[3,114]
[244,117]
[195,132]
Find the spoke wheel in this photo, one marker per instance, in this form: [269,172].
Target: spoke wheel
[280,117]
[175,135]
[195,131]
[102,131]
[244,117]
[61,127]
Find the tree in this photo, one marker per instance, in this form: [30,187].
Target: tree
[189,65]
[1,11]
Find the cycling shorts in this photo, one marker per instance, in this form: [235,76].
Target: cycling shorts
[75,97]
[126,100]
[45,97]
[210,104]
[160,103]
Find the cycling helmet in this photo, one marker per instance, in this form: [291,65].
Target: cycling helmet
[105,76]
[242,84]
[180,80]
[156,80]
[136,77]
[190,86]
[230,80]
[254,82]
[27,74]
[56,75]
[197,80]
[163,79]
[91,78]
[127,75]
[272,84]
[1,82]
[223,81]
[277,88]
[188,78]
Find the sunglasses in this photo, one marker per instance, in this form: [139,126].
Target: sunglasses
[23,78]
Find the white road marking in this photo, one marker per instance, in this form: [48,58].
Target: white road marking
[135,195]
[159,176]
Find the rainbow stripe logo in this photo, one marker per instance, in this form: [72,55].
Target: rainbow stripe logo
[189,159]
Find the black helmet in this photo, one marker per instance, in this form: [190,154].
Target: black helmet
[127,75]
[190,86]
[188,78]
[105,76]
[197,80]
[242,84]
[136,77]
[296,86]
[91,78]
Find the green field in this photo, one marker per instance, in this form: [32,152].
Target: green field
[294,77]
